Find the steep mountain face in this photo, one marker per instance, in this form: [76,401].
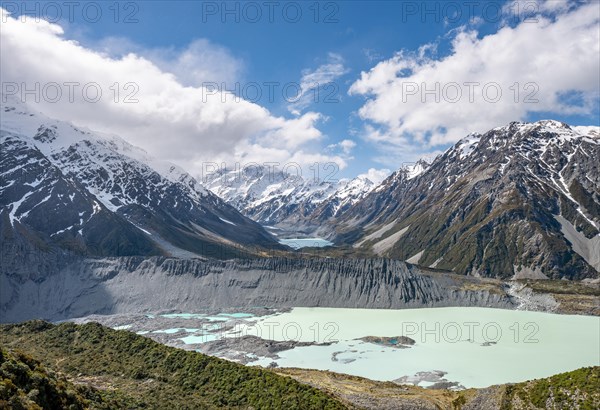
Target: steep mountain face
[67,188]
[42,206]
[381,201]
[281,199]
[518,201]
[345,196]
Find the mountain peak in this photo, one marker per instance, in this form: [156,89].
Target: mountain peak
[521,199]
[522,137]
[276,197]
[75,186]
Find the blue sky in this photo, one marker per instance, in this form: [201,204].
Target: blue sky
[337,41]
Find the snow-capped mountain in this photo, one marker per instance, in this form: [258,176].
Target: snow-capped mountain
[520,200]
[277,198]
[97,194]
[348,193]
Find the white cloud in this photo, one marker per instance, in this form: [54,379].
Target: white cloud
[325,73]
[376,175]
[316,85]
[200,62]
[345,145]
[556,5]
[542,6]
[174,118]
[558,55]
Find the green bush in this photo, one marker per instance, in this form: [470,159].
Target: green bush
[149,374]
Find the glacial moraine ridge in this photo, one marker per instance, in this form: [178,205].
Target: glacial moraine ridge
[138,284]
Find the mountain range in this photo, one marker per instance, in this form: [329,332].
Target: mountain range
[287,201]
[519,201]
[68,189]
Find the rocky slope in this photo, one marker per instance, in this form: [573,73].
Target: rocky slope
[578,389]
[69,189]
[520,201]
[138,284]
[285,200]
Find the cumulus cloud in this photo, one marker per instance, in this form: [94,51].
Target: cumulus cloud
[160,106]
[345,145]
[319,84]
[416,101]
[376,175]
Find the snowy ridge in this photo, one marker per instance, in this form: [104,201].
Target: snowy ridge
[100,174]
[546,145]
[273,197]
[98,151]
[509,182]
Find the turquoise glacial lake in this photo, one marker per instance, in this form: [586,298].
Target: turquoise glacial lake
[471,347]
[476,347]
[306,243]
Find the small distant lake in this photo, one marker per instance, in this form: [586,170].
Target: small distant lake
[298,243]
